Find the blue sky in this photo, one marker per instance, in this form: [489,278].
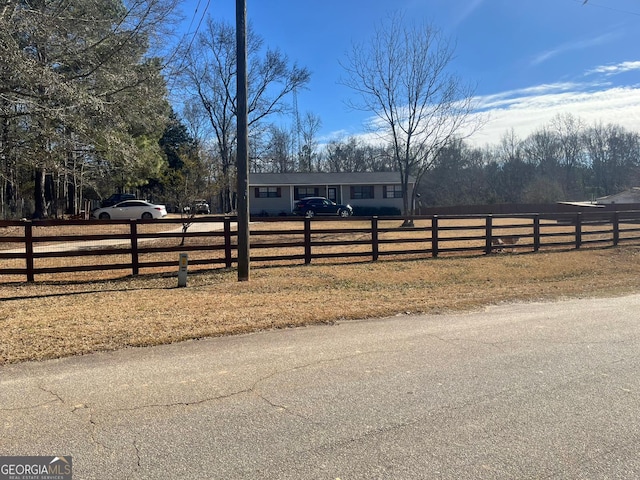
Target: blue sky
[529,59]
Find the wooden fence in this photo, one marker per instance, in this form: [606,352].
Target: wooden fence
[76,248]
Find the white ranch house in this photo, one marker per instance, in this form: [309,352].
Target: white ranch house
[276,193]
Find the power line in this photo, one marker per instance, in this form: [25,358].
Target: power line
[176,50]
[199,24]
[194,16]
[589,3]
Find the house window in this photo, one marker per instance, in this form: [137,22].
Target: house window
[392,191]
[268,192]
[304,192]
[362,191]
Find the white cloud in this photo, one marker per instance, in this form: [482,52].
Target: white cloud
[468,11]
[526,110]
[572,46]
[525,113]
[507,99]
[615,69]
[529,109]
[334,135]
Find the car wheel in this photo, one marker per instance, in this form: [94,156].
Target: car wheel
[343,213]
[147,216]
[104,216]
[309,213]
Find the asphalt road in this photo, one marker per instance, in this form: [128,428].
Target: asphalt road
[544,391]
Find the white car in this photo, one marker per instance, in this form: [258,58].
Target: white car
[130,209]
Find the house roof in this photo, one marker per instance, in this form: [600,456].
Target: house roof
[582,204]
[344,178]
[633,192]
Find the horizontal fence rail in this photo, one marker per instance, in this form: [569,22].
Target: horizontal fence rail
[79,248]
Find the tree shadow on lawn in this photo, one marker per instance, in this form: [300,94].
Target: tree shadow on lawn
[122,284]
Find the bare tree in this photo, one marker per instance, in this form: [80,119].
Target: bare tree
[569,130]
[309,126]
[354,155]
[614,154]
[513,173]
[402,77]
[279,155]
[510,147]
[209,76]
[542,149]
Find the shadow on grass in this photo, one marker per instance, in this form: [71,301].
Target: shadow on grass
[137,283]
[120,284]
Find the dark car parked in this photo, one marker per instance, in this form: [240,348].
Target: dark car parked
[201,206]
[311,206]
[117,198]
[198,207]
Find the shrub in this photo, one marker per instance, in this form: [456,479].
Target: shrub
[360,211]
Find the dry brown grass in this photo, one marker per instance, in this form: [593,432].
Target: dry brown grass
[55,319]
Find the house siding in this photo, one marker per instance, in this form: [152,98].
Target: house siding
[342,182]
[378,199]
[270,205]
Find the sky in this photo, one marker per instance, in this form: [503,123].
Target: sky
[529,60]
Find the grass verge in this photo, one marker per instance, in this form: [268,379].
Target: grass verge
[50,320]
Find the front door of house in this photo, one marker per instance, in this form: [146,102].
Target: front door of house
[332,194]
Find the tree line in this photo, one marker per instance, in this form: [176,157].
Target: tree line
[90,105]
[86,97]
[82,101]
[564,160]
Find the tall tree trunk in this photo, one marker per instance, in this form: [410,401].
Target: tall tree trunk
[71,182]
[3,198]
[71,199]
[40,194]
[51,195]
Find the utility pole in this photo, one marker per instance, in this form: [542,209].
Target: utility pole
[243,142]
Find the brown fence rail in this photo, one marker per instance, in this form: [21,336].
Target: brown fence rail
[79,248]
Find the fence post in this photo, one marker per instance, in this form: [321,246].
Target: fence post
[374,238]
[227,242]
[488,247]
[434,236]
[28,249]
[578,230]
[536,232]
[616,228]
[307,240]
[135,265]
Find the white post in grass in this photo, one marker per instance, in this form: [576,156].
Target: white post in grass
[182,270]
